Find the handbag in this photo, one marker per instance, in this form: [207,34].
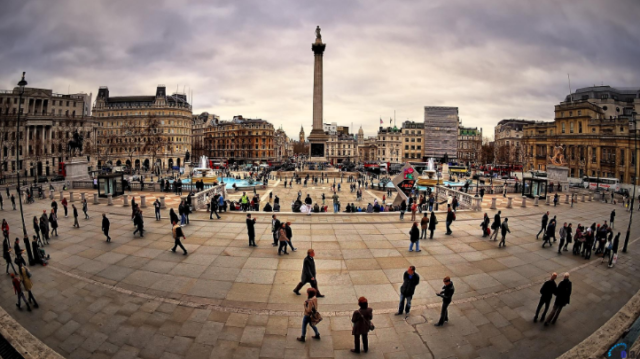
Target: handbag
[368,322]
[315,316]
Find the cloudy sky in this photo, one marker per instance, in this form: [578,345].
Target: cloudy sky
[492,59]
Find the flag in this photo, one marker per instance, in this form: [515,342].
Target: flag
[381,120]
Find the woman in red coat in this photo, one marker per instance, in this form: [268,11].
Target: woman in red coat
[361,320]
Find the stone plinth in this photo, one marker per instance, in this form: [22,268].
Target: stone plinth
[559,175]
[77,169]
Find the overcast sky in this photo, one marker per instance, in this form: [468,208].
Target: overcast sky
[492,59]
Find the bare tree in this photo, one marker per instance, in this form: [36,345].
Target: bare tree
[487,154]
[156,142]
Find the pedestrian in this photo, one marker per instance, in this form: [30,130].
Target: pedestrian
[563,236]
[1,202]
[432,224]
[5,229]
[53,220]
[13,201]
[336,202]
[181,212]
[546,293]
[290,236]
[446,294]
[424,225]
[17,289]
[613,257]
[105,226]
[403,208]
[156,208]
[85,208]
[308,202]
[177,234]
[569,231]
[563,297]
[414,209]
[555,199]
[138,221]
[275,229]
[410,280]
[612,218]
[36,228]
[451,216]
[545,220]
[549,233]
[251,230]
[308,274]
[44,229]
[361,320]
[282,238]
[495,226]
[504,228]
[54,206]
[6,254]
[414,233]
[173,217]
[75,216]
[25,277]
[310,316]
[64,205]
[213,208]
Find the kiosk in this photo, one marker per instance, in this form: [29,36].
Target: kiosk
[110,184]
[534,186]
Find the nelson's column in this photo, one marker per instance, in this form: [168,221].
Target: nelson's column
[317,137]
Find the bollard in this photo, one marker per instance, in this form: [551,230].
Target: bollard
[71,199]
[436,206]
[509,202]
[493,203]
[143,201]
[82,197]
[125,200]
[61,195]
[110,199]
[547,201]
[566,199]
[51,194]
[582,199]
[590,198]
[536,200]
[95,198]
[524,202]
[162,205]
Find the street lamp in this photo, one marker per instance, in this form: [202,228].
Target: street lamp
[635,140]
[21,84]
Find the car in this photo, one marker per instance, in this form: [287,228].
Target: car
[57,178]
[40,179]
[623,191]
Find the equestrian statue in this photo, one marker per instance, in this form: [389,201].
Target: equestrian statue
[75,145]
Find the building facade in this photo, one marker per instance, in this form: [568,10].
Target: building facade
[198,145]
[469,144]
[611,100]
[412,140]
[591,143]
[48,122]
[508,141]
[341,148]
[283,145]
[440,132]
[145,132]
[241,140]
[390,145]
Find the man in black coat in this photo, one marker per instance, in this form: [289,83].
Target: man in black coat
[139,223]
[446,294]
[549,233]
[410,280]
[308,274]
[563,297]
[287,228]
[251,230]
[546,293]
[105,226]
[495,226]
[275,227]
[213,207]
[543,229]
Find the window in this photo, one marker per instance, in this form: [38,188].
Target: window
[579,127]
[563,127]
[570,127]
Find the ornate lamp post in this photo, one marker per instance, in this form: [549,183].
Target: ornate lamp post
[21,84]
[635,179]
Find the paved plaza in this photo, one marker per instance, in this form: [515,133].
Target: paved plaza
[133,298]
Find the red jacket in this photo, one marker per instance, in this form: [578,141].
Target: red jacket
[16,285]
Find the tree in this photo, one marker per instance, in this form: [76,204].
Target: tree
[132,132]
[156,142]
[487,151]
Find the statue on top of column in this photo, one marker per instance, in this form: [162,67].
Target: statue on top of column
[318,36]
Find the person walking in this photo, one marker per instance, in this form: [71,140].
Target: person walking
[5,229]
[613,256]
[36,228]
[105,226]
[44,229]
[156,208]
[612,217]
[546,293]
[85,208]
[75,216]
[336,202]
[569,231]
[549,233]
[545,220]
[283,239]
[563,236]
[54,206]
[403,208]
[414,209]
[53,220]
[17,290]
[495,226]
[6,254]
[414,237]
[275,229]
[432,224]
[485,225]
[25,277]
[64,206]
[289,231]
[138,221]
[181,212]
[361,320]
[251,231]
[173,217]
[310,315]
[451,216]
[504,227]
[1,202]
[424,225]
[563,297]
[213,208]
[410,280]
[446,294]
[13,201]
[177,234]
[308,274]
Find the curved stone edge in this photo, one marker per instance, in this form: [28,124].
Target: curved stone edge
[598,343]
[22,341]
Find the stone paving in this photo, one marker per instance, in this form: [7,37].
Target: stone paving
[133,298]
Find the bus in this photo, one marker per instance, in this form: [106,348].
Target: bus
[612,184]
[459,170]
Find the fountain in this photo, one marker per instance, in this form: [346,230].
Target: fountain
[204,162]
[429,176]
[204,173]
